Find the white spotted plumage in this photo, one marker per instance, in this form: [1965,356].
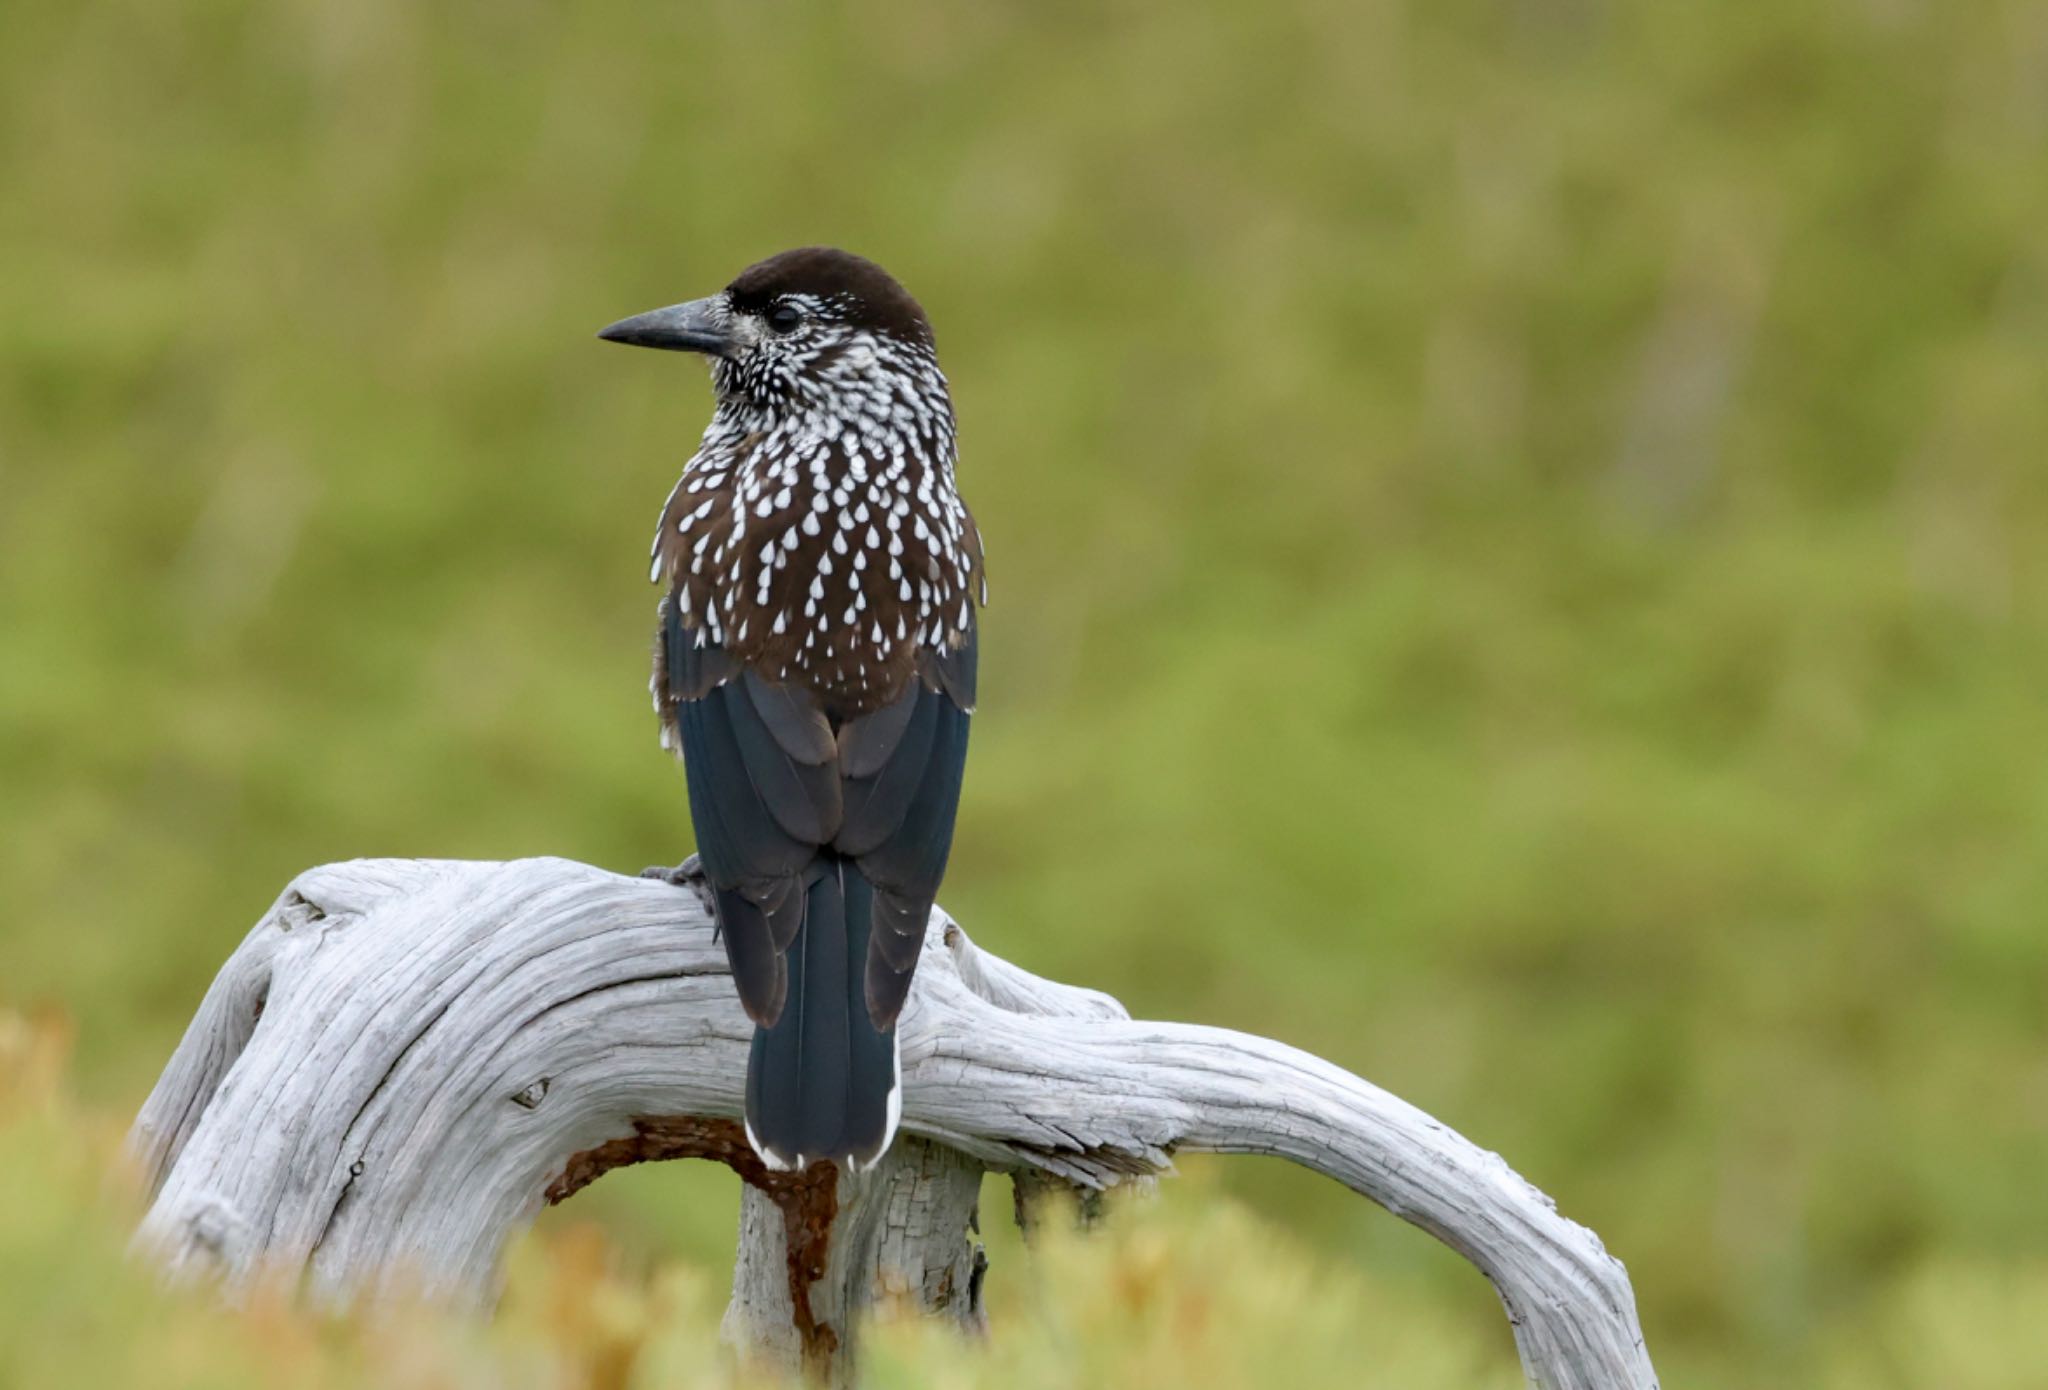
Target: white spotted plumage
[838,443]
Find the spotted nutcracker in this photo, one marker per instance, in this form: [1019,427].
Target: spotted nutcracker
[815,669]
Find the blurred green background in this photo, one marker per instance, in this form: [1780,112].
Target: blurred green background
[1516,535]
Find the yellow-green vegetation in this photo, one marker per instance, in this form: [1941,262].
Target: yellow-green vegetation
[1192,1292]
[1515,531]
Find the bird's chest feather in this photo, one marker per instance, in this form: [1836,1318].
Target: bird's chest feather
[828,564]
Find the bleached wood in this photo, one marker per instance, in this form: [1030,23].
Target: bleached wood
[404,1056]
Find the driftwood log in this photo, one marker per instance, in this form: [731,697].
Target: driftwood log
[405,1059]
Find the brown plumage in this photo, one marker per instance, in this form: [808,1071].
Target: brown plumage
[815,668]
[841,598]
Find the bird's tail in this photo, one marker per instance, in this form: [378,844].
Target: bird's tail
[823,1082]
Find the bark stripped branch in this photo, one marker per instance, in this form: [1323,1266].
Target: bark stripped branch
[406,1059]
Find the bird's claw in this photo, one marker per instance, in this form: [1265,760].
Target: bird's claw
[688,874]
[691,870]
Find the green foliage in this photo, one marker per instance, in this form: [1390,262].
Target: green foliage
[1513,532]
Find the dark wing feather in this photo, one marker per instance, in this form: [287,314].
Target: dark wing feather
[875,806]
[781,903]
[760,814]
[912,856]
[906,868]
[899,826]
[793,717]
[893,951]
[747,842]
[804,798]
[955,669]
[758,970]
[866,743]
[693,662]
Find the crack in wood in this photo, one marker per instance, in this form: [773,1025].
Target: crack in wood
[625,982]
[295,910]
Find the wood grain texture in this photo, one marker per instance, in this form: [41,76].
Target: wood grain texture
[404,1057]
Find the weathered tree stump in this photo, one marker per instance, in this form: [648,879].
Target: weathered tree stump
[405,1059]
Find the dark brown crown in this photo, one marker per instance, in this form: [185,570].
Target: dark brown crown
[866,295]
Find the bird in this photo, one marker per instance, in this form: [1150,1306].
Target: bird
[815,668]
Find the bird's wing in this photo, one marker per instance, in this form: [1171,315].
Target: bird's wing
[764,797]
[771,783]
[901,769]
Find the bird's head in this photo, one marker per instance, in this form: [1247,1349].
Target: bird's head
[810,330]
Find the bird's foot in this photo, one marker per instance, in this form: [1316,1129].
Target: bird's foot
[688,874]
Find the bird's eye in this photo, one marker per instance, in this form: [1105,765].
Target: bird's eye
[784,317]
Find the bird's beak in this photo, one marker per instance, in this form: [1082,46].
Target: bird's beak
[702,325]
